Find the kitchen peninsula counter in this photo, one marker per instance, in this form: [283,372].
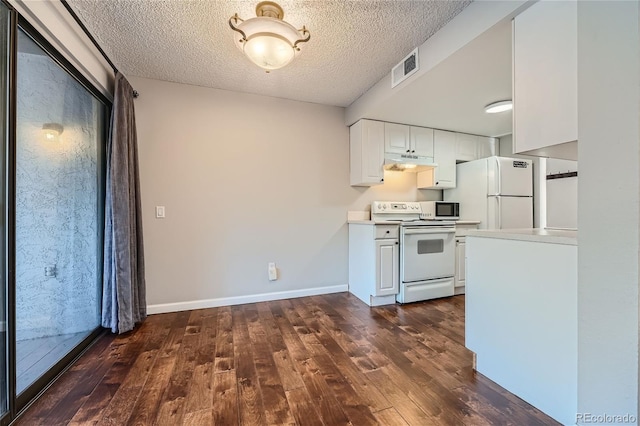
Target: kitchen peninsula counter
[521,314]
[538,235]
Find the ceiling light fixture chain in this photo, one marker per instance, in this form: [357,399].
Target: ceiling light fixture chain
[267,40]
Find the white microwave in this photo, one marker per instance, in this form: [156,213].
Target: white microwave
[440,210]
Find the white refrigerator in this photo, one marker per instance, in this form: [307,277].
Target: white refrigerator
[497,191]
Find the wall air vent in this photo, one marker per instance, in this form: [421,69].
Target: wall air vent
[405,69]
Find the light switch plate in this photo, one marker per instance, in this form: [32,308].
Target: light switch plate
[159,212]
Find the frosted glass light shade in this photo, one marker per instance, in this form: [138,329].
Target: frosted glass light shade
[269,52]
[269,42]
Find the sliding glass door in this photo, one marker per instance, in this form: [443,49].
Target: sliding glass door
[5,32]
[53,129]
[60,132]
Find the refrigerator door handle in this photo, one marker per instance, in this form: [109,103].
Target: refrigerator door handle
[499,213]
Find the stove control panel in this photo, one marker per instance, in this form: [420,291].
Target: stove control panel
[393,207]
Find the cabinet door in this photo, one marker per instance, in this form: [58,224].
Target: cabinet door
[444,147]
[460,262]
[387,267]
[366,153]
[422,141]
[444,155]
[466,147]
[486,147]
[396,138]
[545,75]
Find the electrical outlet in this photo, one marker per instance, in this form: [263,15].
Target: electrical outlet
[273,271]
[50,271]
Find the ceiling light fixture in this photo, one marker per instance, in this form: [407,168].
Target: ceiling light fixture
[267,40]
[52,131]
[500,106]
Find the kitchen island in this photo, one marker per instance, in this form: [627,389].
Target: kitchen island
[521,314]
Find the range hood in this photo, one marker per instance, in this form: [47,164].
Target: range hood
[407,163]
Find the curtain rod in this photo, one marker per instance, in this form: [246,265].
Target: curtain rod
[93,40]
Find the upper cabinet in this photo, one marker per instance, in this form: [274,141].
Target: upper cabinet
[545,77]
[403,139]
[444,153]
[472,147]
[421,141]
[466,147]
[486,146]
[366,148]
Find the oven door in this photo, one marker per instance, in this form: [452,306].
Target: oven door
[426,252]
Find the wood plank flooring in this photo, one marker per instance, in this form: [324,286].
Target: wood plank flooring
[321,360]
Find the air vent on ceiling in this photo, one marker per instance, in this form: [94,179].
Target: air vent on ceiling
[405,69]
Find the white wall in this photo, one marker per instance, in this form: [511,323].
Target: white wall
[608,134]
[245,180]
[562,195]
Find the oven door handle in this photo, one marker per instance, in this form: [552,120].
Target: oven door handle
[416,231]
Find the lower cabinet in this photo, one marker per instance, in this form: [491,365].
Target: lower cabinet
[387,273]
[461,239]
[374,263]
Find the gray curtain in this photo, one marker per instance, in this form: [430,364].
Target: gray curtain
[123,295]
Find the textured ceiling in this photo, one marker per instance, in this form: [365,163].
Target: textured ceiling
[353,43]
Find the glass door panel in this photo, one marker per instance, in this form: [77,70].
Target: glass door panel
[59,145]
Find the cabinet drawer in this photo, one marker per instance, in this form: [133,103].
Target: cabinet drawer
[387,231]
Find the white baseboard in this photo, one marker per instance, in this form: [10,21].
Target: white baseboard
[239,300]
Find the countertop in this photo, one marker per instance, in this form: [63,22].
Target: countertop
[551,236]
[395,222]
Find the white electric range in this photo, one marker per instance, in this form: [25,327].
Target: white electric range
[427,250]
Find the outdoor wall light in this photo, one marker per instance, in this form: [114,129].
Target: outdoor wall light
[52,131]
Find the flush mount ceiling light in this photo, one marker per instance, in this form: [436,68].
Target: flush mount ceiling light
[501,106]
[52,131]
[267,40]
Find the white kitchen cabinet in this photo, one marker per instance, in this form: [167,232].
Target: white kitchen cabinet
[403,139]
[421,141]
[466,147]
[397,138]
[444,153]
[486,147]
[374,262]
[387,272]
[460,277]
[462,228]
[366,147]
[545,76]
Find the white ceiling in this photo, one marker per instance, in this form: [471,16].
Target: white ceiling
[453,95]
[353,43]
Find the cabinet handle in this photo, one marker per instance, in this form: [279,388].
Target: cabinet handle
[408,150]
[388,232]
[437,183]
[396,243]
[382,180]
[412,151]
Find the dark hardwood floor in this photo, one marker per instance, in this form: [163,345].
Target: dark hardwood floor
[316,360]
